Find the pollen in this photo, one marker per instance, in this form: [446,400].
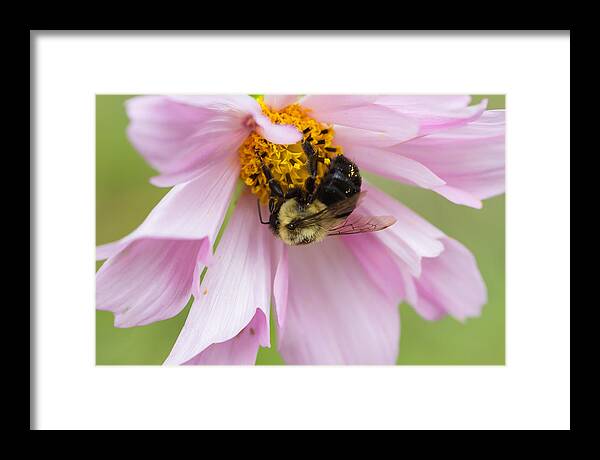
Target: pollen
[287,163]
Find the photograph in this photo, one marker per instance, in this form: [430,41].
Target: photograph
[300,229]
[359,229]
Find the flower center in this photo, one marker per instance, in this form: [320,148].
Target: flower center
[287,163]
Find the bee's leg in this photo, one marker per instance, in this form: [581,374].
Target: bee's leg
[311,161]
[311,158]
[274,186]
[272,205]
[292,193]
[298,194]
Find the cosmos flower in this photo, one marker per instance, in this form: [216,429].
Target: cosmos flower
[336,301]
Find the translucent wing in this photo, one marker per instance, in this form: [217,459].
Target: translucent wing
[332,212]
[358,223]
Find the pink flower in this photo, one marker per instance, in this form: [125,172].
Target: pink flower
[335,301]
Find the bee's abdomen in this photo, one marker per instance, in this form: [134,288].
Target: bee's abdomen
[342,181]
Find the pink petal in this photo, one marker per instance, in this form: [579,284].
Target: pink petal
[217,139]
[428,310]
[335,314]
[149,274]
[415,103]
[361,112]
[451,283]
[107,250]
[411,238]
[393,166]
[334,103]
[189,211]
[235,286]
[416,261]
[240,350]
[148,281]
[163,130]
[378,263]
[281,286]
[347,136]
[171,179]
[244,106]
[374,118]
[471,158]
[459,196]
[435,113]
[279,101]
[181,135]
[278,134]
[238,104]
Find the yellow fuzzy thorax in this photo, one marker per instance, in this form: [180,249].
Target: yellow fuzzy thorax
[286,162]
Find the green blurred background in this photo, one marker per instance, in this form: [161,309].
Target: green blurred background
[124,197]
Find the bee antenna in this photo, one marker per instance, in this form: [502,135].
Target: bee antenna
[260,213]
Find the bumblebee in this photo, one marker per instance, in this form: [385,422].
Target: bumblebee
[309,214]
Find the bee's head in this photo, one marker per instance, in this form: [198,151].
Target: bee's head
[286,223]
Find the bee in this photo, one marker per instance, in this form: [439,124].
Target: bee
[310,214]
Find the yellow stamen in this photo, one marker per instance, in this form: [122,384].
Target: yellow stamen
[286,162]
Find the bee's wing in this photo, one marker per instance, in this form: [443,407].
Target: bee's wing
[332,213]
[329,218]
[358,223]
